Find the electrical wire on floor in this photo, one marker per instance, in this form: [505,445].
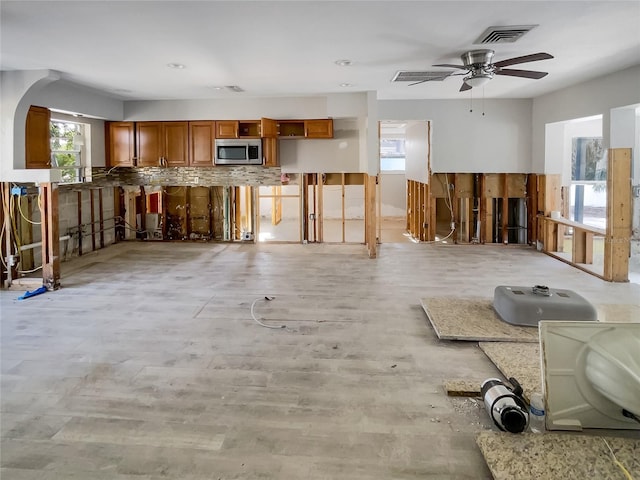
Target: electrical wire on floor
[616,461]
[258,321]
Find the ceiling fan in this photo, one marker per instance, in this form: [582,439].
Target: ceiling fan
[479,69]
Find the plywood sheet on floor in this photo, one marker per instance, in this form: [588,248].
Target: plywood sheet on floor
[472,319]
[518,360]
[550,456]
[462,387]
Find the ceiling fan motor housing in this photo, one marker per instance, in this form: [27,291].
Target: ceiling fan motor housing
[477,57]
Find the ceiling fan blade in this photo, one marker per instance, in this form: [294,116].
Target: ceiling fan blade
[465,87]
[521,73]
[448,65]
[442,77]
[534,57]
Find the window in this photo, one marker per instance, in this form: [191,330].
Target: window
[392,155]
[67,146]
[588,193]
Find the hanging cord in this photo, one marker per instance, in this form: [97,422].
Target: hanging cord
[258,321]
[23,215]
[617,462]
[483,101]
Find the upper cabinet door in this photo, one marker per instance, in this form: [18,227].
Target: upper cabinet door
[318,128]
[120,143]
[227,129]
[268,128]
[202,136]
[150,144]
[37,138]
[176,144]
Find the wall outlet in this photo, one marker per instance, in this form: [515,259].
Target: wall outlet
[196,180]
[636,191]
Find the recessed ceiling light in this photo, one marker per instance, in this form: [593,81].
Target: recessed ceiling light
[177,66]
[217,87]
[344,63]
[346,84]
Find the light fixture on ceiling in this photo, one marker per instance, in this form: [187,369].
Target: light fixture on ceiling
[344,63]
[177,66]
[478,80]
[346,85]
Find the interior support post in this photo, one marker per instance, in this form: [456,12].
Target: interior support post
[50,236]
[618,232]
[370,215]
[532,209]
[320,214]
[79,195]
[342,180]
[93,221]
[505,208]
[101,218]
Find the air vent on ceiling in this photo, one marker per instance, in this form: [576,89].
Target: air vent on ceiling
[409,76]
[234,88]
[507,34]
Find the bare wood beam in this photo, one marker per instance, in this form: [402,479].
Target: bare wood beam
[618,232]
[50,236]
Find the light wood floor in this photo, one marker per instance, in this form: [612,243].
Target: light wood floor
[148,365]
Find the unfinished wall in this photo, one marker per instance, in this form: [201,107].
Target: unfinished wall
[88,224]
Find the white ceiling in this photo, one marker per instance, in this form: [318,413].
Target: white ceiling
[289,48]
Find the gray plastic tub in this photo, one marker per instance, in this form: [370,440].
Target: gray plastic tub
[526,306]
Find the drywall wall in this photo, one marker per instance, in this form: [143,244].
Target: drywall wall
[559,143]
[353,201]
[338,154]
[594,97]
[14,88]
[393,194]
[416,147]
[463,141]
[243,108]
[72,98]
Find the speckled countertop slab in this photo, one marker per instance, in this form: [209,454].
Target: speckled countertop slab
[472,319]
[519,360]
[608,312]
[554,456]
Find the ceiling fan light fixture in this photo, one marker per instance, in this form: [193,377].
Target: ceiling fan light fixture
[478,80]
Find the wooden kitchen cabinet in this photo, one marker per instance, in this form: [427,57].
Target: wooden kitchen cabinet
[318,128]
[202,136]
[37,138]
[164,144]
[269,133]
[322,128]
[238,128]
[120,143]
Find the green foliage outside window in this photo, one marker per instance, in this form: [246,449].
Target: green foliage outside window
[64,152]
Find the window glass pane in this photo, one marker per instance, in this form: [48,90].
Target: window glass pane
[392,154]
[388,163]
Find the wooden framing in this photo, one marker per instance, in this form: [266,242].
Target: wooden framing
[619,213]
[370,215]
[50,236]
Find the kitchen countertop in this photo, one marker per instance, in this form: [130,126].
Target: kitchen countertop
[552,456]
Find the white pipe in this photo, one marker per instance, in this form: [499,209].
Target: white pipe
[39,244]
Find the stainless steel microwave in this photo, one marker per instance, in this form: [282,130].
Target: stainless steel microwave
[238,151]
